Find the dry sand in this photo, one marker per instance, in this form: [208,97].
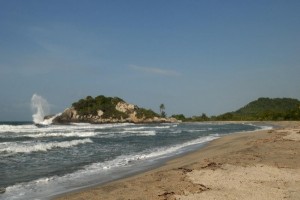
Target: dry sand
[256,165]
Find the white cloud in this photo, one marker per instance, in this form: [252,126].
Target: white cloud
[153,70]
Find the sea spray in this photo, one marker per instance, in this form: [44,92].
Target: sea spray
[41,108]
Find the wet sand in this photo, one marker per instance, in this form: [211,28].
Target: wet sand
[255,165]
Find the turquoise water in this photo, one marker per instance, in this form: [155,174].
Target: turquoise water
[41,162]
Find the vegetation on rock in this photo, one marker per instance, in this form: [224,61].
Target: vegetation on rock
[103,109]
[91,106]
[146,113]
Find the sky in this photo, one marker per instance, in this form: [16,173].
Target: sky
[194,56]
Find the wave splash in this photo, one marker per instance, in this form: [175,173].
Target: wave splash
[28,147]
[41,108]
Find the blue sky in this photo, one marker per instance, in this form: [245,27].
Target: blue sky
[194,56]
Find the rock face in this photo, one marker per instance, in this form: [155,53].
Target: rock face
[114,110]
[125,107]
[2,190]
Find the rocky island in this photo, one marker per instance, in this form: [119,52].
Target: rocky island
[103,109]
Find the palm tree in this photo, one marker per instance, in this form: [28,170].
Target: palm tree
[162,110]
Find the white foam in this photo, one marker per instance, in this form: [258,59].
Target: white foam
[64,134]
[136,128]
[168,150]
[16,128]
[141,133]
[259,127]
[33,129]
[28,147]
[75,130]
[100,126]
[266,127]
[177,131]
[81,124]
[161,127]
[29,190]
[197,130]
[154,153]
[164,126]
[49,121]
[146,127]
[56,128]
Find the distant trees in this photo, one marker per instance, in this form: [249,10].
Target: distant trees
[146,113]
[179,117]
[204,117]
[200,118]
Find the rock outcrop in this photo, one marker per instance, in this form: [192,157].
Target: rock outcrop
[108,110]
[2,190]
[125,107]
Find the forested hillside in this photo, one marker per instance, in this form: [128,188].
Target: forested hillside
[266,109]
[262,109]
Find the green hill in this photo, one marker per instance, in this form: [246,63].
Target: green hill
[266,109]
[109,107]
[103,109]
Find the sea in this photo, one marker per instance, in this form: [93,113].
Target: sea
[40,162]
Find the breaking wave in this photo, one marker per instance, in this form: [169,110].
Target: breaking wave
[141,133]
[28,147]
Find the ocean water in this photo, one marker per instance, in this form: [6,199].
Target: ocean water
[40,162]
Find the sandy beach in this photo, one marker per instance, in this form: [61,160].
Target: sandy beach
[255,165]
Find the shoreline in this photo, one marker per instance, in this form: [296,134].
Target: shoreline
[191,176]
